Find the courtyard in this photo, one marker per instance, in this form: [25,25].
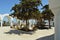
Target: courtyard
[7,33]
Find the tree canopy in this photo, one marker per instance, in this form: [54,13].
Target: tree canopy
[27,9]
[48,14]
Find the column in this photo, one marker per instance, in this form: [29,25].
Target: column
[1,21]
[11,21]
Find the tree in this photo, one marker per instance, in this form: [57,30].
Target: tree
[27,9]
[48,14]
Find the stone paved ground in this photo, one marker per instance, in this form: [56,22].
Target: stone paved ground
[6,33]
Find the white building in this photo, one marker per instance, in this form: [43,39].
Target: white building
[55,7]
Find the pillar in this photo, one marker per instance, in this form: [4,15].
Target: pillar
[11,23]
[2,20]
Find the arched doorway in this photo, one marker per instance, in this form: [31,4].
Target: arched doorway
[6,21]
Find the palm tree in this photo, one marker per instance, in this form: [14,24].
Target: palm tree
[48,15]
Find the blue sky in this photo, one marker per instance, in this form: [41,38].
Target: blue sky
[6,5]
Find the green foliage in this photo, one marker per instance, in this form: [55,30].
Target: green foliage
[27,9]
[48,14]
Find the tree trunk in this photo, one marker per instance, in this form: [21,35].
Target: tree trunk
[49,24]
[26,28]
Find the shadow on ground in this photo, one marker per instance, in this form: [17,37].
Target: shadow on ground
[51,37]
[19,32]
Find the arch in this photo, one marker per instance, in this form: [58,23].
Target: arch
[6,20]
[5,15]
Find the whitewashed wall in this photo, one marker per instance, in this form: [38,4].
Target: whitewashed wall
[55,6]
